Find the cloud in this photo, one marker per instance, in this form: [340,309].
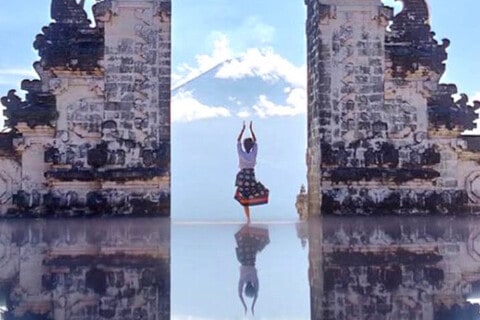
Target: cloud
[296,104]
[204,62]
[271,67]
[243,114]
[185,108]
[263,63]
[266,64]
[226,44]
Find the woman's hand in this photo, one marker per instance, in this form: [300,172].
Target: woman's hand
[241,132]
[251,131]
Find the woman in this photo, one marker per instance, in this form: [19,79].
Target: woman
[250,241]
[249,191]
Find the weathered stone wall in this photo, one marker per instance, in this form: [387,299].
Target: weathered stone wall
[95,269]
[400,268]
[93,135]
[383,134]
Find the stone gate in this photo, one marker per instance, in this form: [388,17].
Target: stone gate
[93,133]
[384,135]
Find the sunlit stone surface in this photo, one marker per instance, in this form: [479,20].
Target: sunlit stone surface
[384,135]
[93,133]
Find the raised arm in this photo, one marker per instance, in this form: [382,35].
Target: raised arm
[241,132]
[251,131]
[240,295]
[255,299]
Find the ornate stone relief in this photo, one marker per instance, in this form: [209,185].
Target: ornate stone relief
[93,118]
[380,123]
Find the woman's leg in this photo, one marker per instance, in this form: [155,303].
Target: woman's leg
[247,212]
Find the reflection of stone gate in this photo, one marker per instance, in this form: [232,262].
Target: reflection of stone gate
[383,133]
[394,268]
[93,135]
[89,269]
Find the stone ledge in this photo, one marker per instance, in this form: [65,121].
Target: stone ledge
[126,174]
[397,175]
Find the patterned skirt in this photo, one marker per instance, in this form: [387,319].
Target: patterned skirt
[250,241]
[249,191]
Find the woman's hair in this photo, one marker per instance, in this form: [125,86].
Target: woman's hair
[250,290]
[248,144]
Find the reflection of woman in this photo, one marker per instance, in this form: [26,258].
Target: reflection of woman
[249,192]
[250,241]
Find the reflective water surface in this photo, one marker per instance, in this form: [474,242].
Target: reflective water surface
[331,268]
[85,269]
[327,268]
[395,268]
[236,271]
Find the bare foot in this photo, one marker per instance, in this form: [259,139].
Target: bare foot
[247,213]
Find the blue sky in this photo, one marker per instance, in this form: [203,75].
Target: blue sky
[218,29]
[269,37]
[207,32]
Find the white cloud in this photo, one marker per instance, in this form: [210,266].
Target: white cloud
[296,104]
[251,32]
[266,64]
[270,66]
[243,114]
[221,52]
[185,108]
[263,63]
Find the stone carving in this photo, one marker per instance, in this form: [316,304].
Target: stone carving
[70,42]
[472,185]
[96,125]
[444,112]
[37,109]
[384,134]
[98,156]
[68,11]
[102,12]
[301,204]
[6,143]
[11,100]
[411,44]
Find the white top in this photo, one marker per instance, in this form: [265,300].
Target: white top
[247,160]
[248,274]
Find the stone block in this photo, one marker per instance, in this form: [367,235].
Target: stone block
[386,125]
[88,123]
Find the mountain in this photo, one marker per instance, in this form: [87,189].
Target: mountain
[204,159]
